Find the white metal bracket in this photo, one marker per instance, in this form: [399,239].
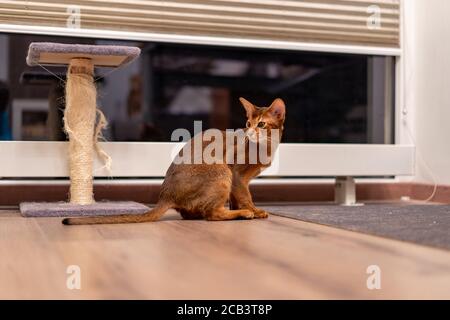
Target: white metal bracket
[345,192]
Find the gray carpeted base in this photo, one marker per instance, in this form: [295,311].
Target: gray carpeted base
[64,209]
[421,224]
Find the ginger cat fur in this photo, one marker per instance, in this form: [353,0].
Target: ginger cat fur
[201,191]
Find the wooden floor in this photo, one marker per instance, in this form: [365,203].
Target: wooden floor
[276,258]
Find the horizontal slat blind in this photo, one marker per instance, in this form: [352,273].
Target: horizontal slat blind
[317,21]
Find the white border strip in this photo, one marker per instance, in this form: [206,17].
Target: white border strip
[200,40]
[151,159]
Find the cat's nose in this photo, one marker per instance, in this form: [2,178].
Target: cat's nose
[251,134]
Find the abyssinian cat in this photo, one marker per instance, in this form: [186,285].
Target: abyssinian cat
[201,191]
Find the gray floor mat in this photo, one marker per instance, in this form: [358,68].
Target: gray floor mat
[421,224]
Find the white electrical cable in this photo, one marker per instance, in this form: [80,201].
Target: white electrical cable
[425,164]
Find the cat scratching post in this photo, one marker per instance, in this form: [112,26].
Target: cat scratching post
[81,124]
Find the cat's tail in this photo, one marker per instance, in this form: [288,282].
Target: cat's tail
[152,215]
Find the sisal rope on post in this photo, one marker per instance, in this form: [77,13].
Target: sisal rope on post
[102,123]
[79,124]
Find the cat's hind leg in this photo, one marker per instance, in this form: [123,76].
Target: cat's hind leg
[221,214]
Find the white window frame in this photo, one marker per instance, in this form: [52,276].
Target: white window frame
[48,158]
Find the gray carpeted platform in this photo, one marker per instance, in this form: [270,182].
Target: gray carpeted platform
[64,209]
[420,224]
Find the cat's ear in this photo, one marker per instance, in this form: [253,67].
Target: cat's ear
[249,107]
[277,109]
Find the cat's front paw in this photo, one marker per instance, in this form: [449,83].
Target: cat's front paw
[249,215]
[261,214]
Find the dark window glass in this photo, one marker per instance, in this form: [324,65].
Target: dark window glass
[330,98]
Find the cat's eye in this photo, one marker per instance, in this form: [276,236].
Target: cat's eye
[261,125]
[248,124]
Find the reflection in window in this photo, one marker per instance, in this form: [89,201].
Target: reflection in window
[331,98]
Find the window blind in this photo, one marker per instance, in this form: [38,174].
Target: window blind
[372,23]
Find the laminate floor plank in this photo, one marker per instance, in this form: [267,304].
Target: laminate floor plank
[277,258]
